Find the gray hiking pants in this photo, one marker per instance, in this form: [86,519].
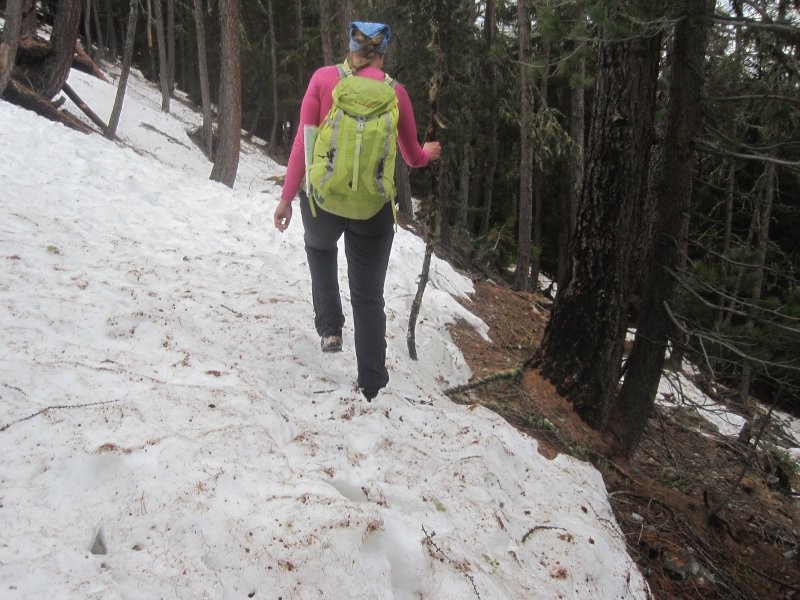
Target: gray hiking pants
[367,245]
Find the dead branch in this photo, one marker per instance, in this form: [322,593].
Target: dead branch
[22,95]
[436,552]
[56,407]
[33,50]
[772,579]
[712,513]
[417,303]
[72,95]
[499,376]
[715,149]
[786,30]
[83,62]
[536,528]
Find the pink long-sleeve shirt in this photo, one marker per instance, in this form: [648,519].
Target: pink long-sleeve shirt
[316,104]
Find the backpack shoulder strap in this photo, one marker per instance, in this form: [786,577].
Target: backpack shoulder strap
[389,80]
[345,70]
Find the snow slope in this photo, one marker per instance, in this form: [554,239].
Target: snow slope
[170,429]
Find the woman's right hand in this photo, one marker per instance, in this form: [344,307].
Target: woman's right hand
[283,215]
[434,150]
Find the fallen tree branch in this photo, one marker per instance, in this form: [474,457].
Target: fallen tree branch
[56,407]
[83,62]
[411,341]
[20,94]
[536,528]
[436,552]
[499,376]
[72,95]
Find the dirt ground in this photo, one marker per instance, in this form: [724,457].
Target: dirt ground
[667,497]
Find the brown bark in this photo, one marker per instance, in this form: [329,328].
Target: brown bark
[87,25]
[23,96]
[83,62]
[273,53]
[672,201]
[205,92]
[163,67]
[538,183]
[582,346]
[522,277]
[111,34]
[130,34]
[100,38]
[490,27]
[577,127]
[226,160]
[10,41]
[72,95]
[326,36]
[65,33]
[30,20]
[171,46]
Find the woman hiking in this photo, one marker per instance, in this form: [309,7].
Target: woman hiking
[367,241]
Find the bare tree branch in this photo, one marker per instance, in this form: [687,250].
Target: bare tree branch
[787,30]
[751,97]
[715,149]
[56,407]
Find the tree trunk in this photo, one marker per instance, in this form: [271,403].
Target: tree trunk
[672,203]
[341,44]
[577,127]
[582,346]
[9,41]
[171,46]
[163,68]
[538,184]
[205,92]
[763,215]
[300,33]
[30,20]
[462,210]
[65,33]
[87,25]
[111,32]
[22,95]
[226,161]
[273,47]
[443,194]
[490,27]
[149,30]
[130,36]
[101,47]
[522,276]
[325,21]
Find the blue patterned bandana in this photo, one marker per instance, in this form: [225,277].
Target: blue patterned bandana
[370,30]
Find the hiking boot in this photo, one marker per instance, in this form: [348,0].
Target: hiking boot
[370,393]
[331,343]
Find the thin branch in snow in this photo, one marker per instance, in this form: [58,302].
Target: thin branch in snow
[438,553]
[56,407]
[537,528]
[236,312]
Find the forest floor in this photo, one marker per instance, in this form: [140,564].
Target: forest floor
[665,494]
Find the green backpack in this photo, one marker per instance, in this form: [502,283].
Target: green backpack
[351,171]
